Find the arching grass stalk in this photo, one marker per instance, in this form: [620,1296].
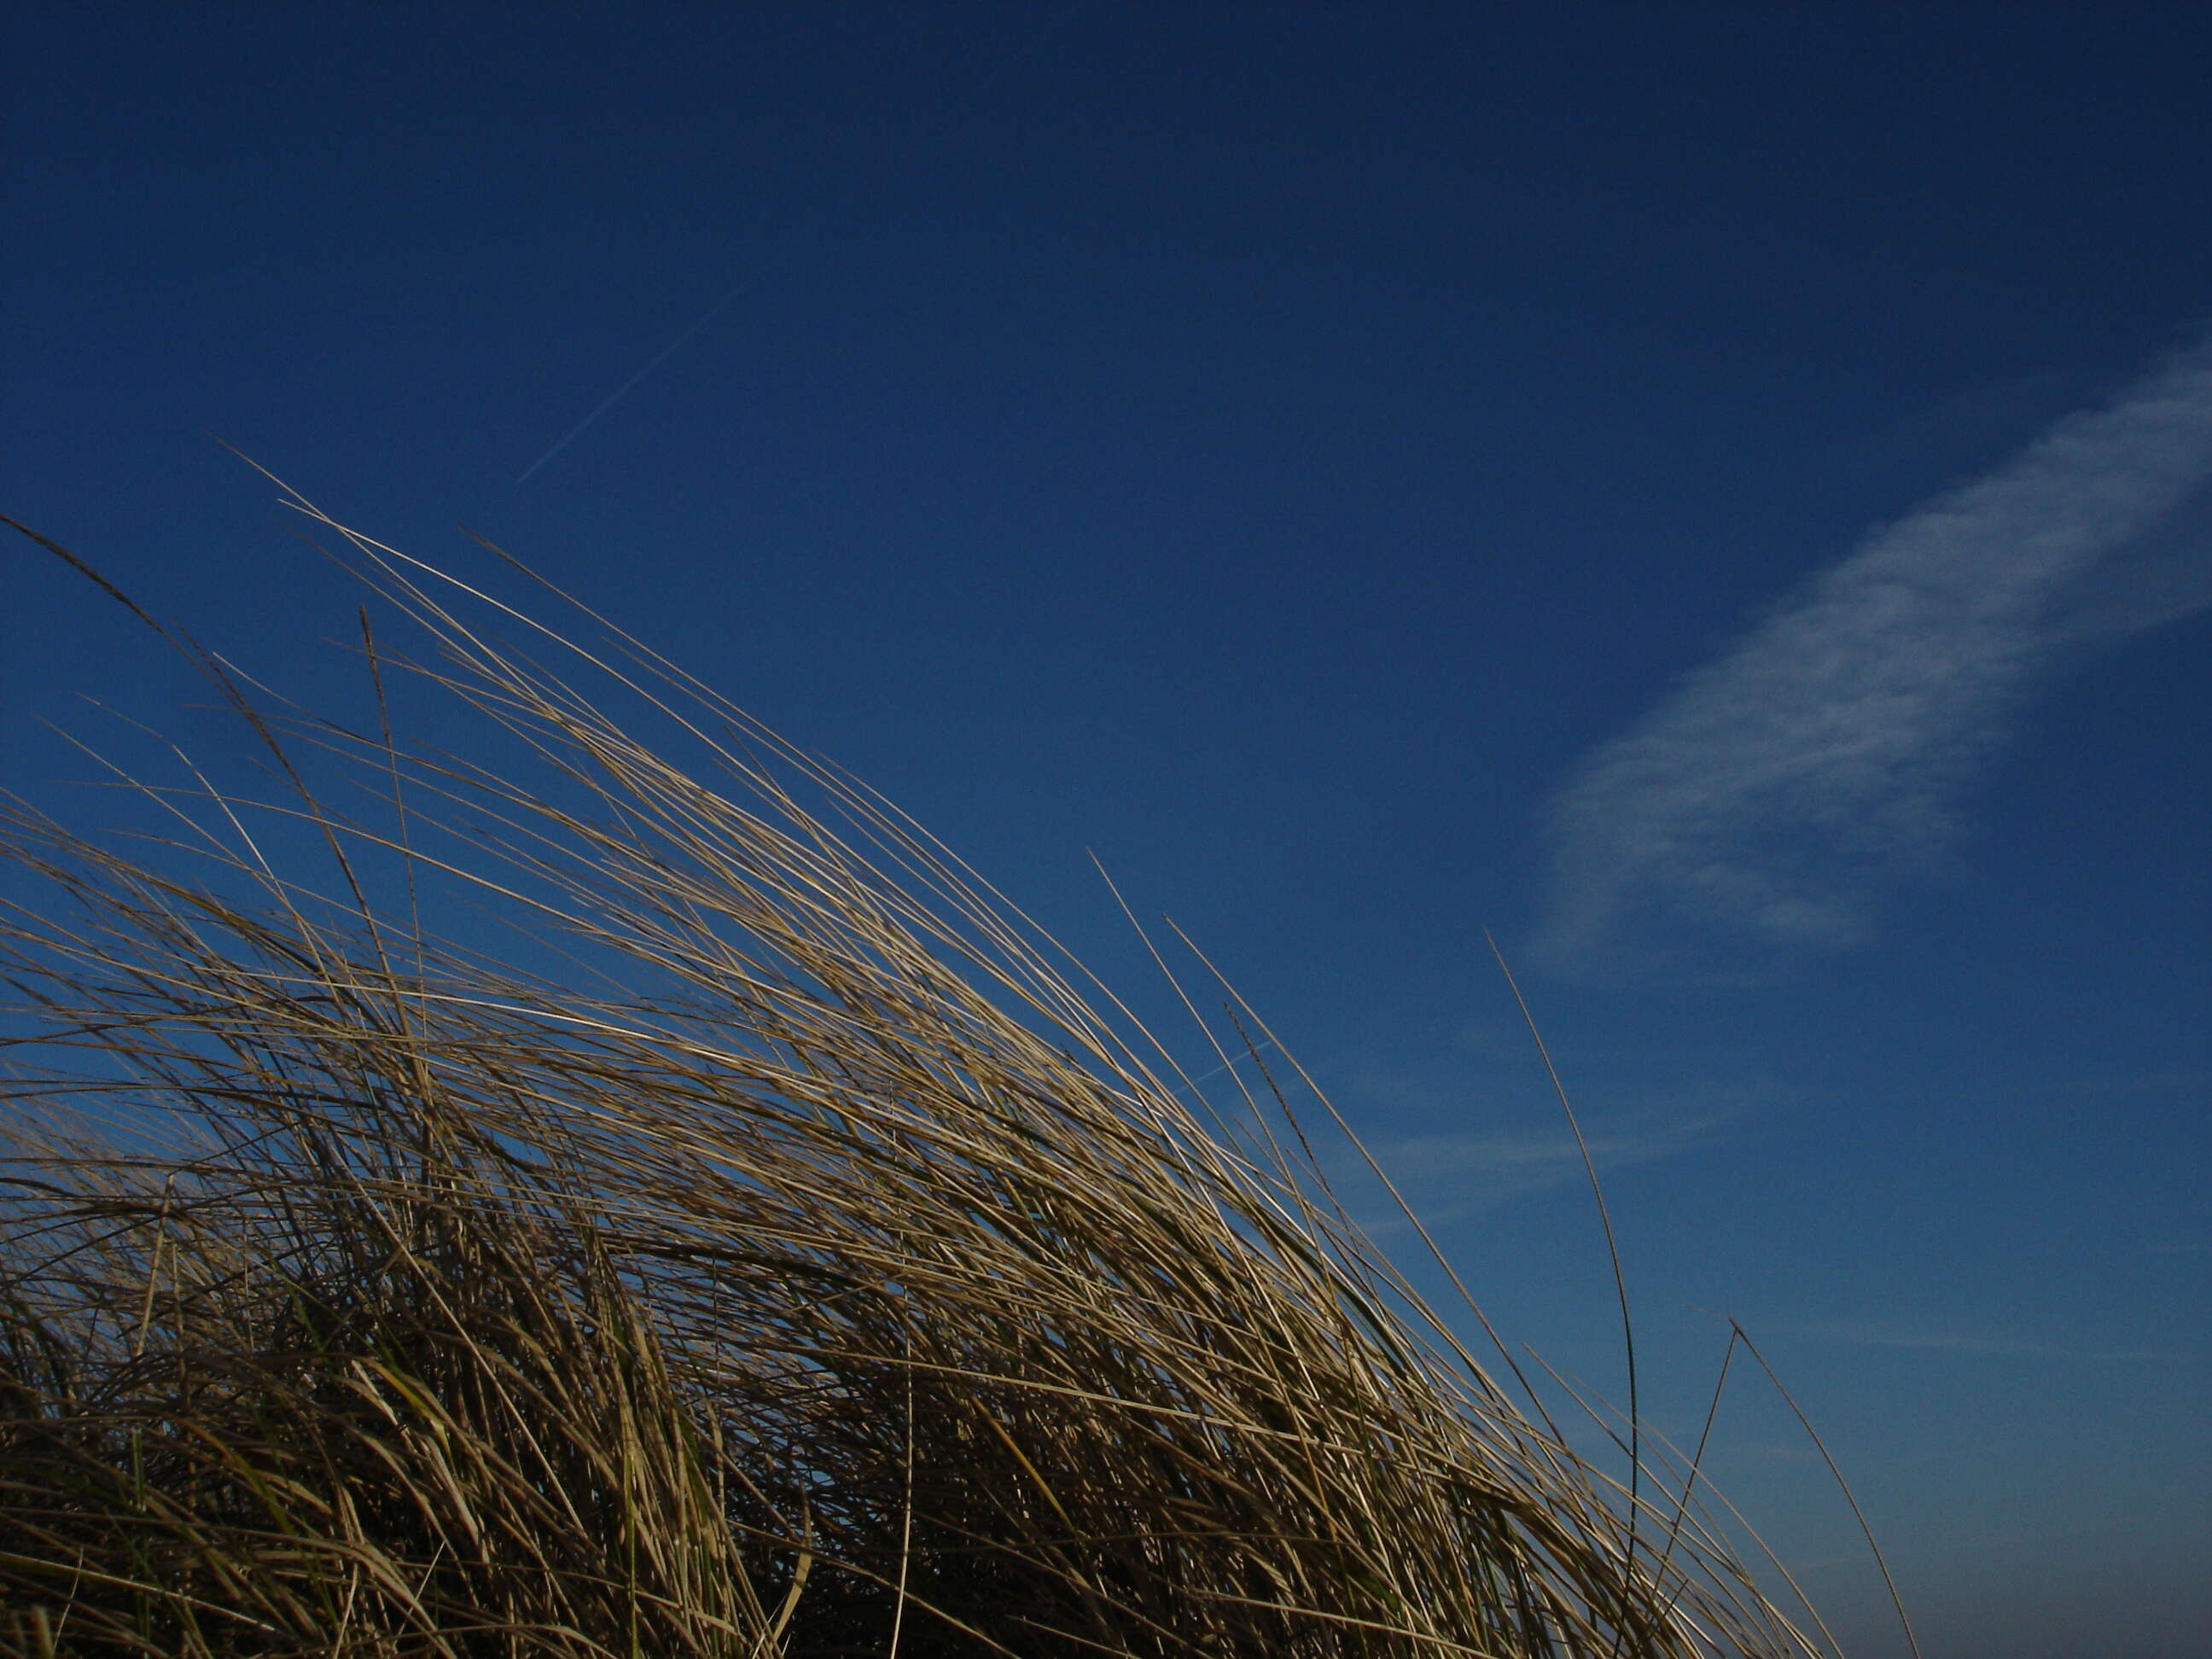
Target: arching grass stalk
[811,1267]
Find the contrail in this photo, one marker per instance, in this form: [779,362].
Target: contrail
[1023,50]
[630,384]
[1792,778]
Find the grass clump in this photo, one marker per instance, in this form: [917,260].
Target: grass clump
[808,1268]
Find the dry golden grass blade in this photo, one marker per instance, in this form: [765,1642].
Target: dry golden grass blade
[818,1269]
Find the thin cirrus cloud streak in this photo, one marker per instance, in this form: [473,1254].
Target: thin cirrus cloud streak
[1446,1178]
[1771,800]
[1861,1334]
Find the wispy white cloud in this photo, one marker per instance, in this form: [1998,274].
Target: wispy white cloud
[1448,1176]
[1862,1333]
[1788,782]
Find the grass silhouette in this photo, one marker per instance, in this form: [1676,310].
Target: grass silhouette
[818,1263]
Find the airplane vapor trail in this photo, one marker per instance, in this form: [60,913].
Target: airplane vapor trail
[1024,52]
[631,383]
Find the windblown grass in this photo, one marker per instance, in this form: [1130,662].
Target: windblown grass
[815,1270]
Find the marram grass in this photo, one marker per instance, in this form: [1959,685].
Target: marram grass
[811,1265]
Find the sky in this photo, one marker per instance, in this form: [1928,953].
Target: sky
[1719,497]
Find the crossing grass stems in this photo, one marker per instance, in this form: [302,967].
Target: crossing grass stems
[819,1263]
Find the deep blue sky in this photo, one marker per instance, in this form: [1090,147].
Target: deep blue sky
[1373,473]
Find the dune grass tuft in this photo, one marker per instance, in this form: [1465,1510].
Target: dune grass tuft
[784,1251]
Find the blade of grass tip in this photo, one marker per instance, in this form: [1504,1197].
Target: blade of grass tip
[1820,1446]
[1728,1571]
[1722,1573]
[941,867]
[1420,1227]
[1697,1459]
[1595,1409]
[213,670]
[1612,1249]
[94,577]
[1190,1085]
[444,625]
